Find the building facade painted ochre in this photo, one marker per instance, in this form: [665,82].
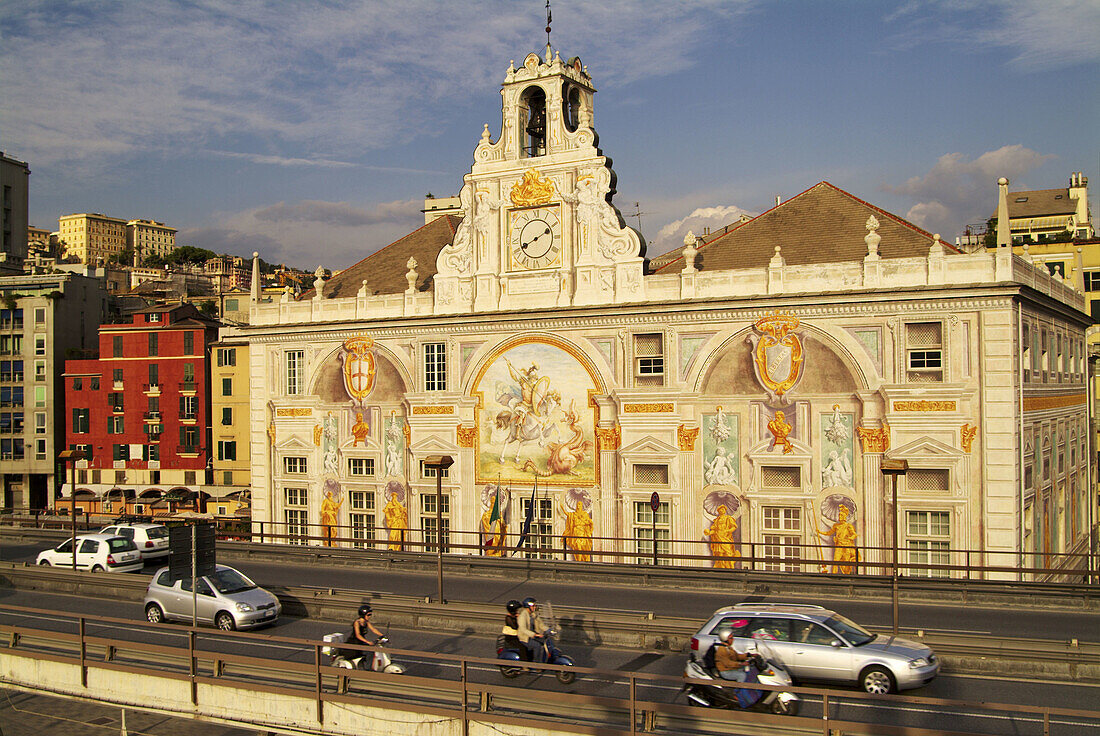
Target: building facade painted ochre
[755,383]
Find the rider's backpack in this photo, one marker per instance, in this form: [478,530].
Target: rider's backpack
[708,657]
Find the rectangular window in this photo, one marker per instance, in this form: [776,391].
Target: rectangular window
[189,440]
[40,449]
[428,521]
[294,465]
[78,384]
[1025,356]
[152,452]
[93,383]
[189,406]
[650,475]
[39,395]
[189,343]
[189,376]
[649,360]
[120,452]
[430,472]
[540,538]
[781,478]
[924,352]
[40,315]
[361,516]
[189,477]
[39,344]
[782,538]
[40,422]
[115,425]
[153,343]
[928,539]
[81,419]
[297,522]
[116,343]
[227,450]
[227,480]
[435,366]
[295,360]
[227,387]
[227,357]
[227,415]
[154,374]
[928,481]
[361,466]
[40,370]
[652,529]
[117,377]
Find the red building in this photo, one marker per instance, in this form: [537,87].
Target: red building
[141,412]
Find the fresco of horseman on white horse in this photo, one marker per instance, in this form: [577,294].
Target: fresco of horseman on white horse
[530,422]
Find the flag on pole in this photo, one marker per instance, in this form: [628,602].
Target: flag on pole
[494,513]
[523,532]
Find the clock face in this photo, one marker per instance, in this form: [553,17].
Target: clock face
[535,240]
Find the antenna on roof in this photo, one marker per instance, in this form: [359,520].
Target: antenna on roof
[637,213]
[548,19]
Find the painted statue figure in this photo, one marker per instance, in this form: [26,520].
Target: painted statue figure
[359,430]
[577,537]
[329,442]
[718,470]
[780,429]
[838,471]
[844,535]
[723,547]
[397,517]
[330,512]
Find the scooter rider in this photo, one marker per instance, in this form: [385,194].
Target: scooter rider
[729,662]
[532,630]
[510,630]
[361,629]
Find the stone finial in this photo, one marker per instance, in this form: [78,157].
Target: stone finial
[936,249]
[777,258]
[689,252]
[363,289]
[319,282]
[410,275]
[1058,272]
[1027,254]
[1004,231]
[485,133]
[872,239]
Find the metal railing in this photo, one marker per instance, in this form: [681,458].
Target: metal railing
[458,687]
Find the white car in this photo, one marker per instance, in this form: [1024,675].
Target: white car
[151,539]
[95,552]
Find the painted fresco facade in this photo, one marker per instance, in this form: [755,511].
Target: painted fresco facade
[758,403]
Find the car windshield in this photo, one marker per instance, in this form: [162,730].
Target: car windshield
[118,544]
[156,532]
[853,632]
[227,580]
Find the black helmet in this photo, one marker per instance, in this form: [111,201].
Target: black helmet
[512,606]
[528,602]
[365,609]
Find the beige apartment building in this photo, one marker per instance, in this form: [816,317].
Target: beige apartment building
[150,238]
[91,236]
[229,401]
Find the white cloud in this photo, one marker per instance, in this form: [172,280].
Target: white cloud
[672,235]
[958,191]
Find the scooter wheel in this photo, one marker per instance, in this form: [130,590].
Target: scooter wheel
[566,677]
[781,708]
[510,672]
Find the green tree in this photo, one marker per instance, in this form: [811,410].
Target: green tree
[189,254]
[209,307]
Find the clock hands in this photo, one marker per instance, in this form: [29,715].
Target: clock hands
[532,241]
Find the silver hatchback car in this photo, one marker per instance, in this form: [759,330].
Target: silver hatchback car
[227,599]
[814,643]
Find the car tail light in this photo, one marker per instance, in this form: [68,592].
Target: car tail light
[148,544]
[110,559]
[694,644]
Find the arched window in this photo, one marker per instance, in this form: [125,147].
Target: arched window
[571,107]
[534,101]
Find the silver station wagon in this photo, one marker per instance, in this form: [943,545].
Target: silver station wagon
[227,599]
[814,643]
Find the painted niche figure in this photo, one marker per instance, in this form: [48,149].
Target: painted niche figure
[723,548]
[838,471]
[397,521]
[330,511]
[329,442]
[843,533]
[780,429]
[718,470]
[359,430]
[578,533]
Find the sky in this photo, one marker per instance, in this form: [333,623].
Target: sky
[311,131]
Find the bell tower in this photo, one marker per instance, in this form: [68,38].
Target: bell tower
[538,227]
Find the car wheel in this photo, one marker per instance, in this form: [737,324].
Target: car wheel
[877,681]
[154,614]
[97,568]
[44,563]
[225,622]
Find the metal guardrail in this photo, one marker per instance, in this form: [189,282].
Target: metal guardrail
[960,653]
[457,692]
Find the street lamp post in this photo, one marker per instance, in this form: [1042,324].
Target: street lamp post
[72,456]
[439,463]
[892,469]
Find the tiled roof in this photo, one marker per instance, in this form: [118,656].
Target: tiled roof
[1040,203]
[384,271]
[820,225]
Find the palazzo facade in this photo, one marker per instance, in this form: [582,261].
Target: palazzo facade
[737,400]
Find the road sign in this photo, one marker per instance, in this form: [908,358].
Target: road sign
[655,501]
[180,552]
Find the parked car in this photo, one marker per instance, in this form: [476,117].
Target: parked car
[151,539]
[95,552]
[227,599]
[814,643]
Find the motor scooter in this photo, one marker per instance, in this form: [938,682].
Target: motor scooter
[554,655]
[721,693]
[376,661]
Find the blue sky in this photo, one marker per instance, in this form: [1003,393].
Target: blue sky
[310,131]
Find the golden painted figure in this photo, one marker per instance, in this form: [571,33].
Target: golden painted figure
[845,553]
[359,430]
[578,533]
[722,544]
[397,521]
[492,534]
[780,429]
[330,510]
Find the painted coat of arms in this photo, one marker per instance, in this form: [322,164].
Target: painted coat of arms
[359,367]
[777,355]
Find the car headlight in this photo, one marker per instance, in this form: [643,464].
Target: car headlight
[244,607]
[918,662]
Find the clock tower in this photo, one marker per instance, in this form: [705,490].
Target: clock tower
[538,227]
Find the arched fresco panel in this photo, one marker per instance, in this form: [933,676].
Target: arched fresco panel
[731,372]
[535,417]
